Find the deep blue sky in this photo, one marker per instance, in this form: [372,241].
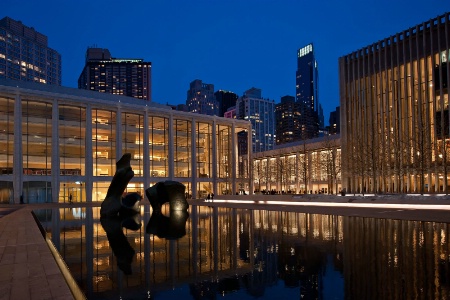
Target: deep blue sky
[233,44]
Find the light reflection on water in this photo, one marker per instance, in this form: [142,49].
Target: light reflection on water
[241,253]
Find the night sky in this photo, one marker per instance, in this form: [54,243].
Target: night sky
[233,44]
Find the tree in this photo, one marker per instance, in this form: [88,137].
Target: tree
[285,165]
[332,161]
[422,153]
[258,173]
[303,166]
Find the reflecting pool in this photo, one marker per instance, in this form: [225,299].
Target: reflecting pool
[245,254]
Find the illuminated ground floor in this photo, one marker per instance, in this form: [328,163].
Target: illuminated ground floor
[305,167]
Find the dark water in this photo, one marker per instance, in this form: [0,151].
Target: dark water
[214,253]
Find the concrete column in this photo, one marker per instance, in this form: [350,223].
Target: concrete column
[89,162]
[250,167]
[146,154]
[171,158]
[297,171]
[234,153]
[194,159]
[55,152]
[214,158]
[309,186]
[118,134]
[18,152]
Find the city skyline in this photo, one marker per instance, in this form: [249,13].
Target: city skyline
[233,45]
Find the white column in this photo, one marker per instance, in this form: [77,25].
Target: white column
[55,152]
[171,158]
[214,157]
[297,172]
[250,164]
[194,159]
[89,161]
[18,155]
[118,134]
[234,154]
[146,154]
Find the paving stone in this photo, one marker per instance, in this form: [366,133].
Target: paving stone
[27,267]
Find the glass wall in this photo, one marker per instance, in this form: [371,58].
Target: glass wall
[104,142]
[99,190]
[224,158]
[36,137]
[242,153]
[72,140]
[158,146]
[182,148]
[72,191]
[204,150]
[133,140]
[6,135]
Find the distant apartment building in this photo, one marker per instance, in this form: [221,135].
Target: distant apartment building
[25,55]
[225,99]
[394,110]
[288,120]
[119,76]
[261,113]
[335,120]
[307,92]
[230,113]
[201,98]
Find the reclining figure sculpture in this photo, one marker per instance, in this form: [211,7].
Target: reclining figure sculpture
[115,202]
[120,211]
[172,192]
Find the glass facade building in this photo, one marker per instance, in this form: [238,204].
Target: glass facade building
[307,93]
[119,76]
[394,112]
[302,167]
[201,99]
[25,55]
[58,142]
[261,114]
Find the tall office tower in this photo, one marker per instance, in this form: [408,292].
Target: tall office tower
[201,99]
[261,113]
[307,90]
[25,55]
[119,76]
[287,120]
[394,101]
[226,100]
[335,120]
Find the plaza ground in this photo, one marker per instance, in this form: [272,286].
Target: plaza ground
[29,270]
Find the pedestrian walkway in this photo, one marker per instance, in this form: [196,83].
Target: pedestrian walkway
[6,211]
[28,269]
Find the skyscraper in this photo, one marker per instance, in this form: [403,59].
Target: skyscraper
[120,76]
[225,99]
[288,118]
[261,113]
[25,55]
[307,90]
[201,99]
[335,121]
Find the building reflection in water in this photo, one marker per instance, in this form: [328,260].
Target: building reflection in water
[226,250]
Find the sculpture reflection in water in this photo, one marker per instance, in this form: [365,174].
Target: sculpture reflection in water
[174,226]
[120,210]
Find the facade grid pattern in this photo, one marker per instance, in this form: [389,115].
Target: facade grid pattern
[394,112]
[63,142]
